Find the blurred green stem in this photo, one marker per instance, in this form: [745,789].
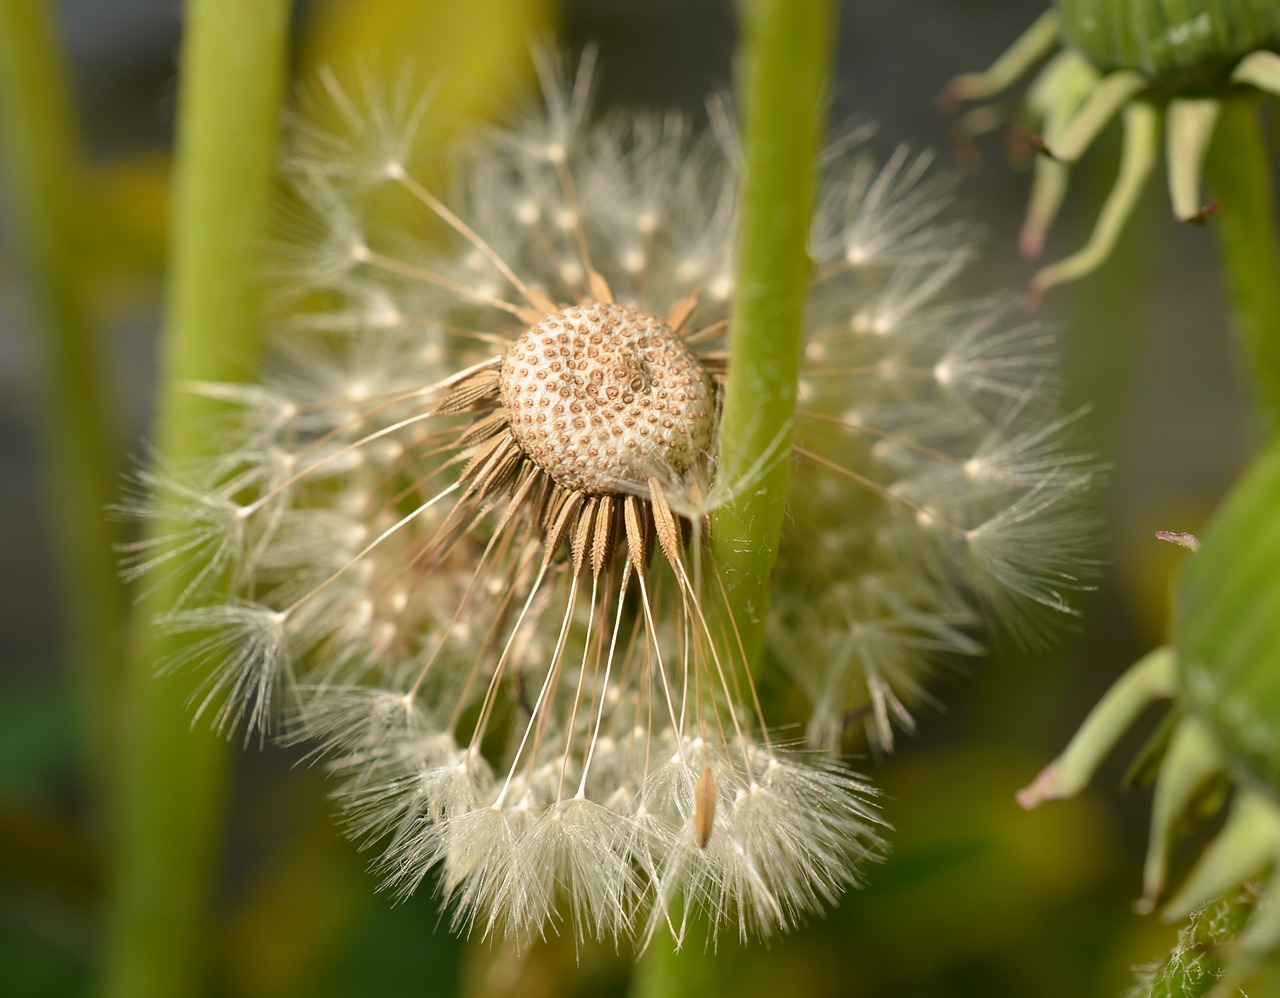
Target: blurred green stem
[785,54]
[665,972]
[173,779]
[1239,173]
[39,136]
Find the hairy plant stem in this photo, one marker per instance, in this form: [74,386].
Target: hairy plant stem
[785,54]
[173,779]
[43,164]
[1238,171]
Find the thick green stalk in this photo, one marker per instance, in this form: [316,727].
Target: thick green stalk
[173,778]
[1239,174]
[785,55]
[38,133]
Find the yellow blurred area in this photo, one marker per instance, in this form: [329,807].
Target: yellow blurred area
[975,881]
[959,836]
[130,196]
[296,914]
[476,55]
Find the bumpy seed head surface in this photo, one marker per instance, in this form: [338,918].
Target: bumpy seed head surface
[601,396]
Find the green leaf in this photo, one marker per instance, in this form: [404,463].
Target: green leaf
[1228,636]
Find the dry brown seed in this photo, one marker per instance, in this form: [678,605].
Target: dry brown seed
[704,808]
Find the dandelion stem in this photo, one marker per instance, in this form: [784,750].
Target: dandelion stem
[173,779]
[38,133]
[786,52]
[1238,172]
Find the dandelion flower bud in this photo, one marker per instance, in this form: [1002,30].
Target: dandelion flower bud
[1165,73]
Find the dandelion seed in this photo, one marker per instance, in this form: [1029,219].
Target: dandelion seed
[704,807]
[466,521]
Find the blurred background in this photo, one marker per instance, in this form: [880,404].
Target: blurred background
[977,898]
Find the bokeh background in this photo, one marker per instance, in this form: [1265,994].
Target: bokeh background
[977,898]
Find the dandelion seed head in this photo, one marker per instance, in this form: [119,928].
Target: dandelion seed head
[465,521]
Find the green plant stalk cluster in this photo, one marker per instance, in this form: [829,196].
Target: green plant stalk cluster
[1238,171]
[43,164]
[785,56]
[174,779]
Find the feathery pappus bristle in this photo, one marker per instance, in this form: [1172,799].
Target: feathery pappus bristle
[466,515]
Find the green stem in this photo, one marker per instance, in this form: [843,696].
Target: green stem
[785,54]
[39,135]
[173,779]
[664,972]
[1238,171]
